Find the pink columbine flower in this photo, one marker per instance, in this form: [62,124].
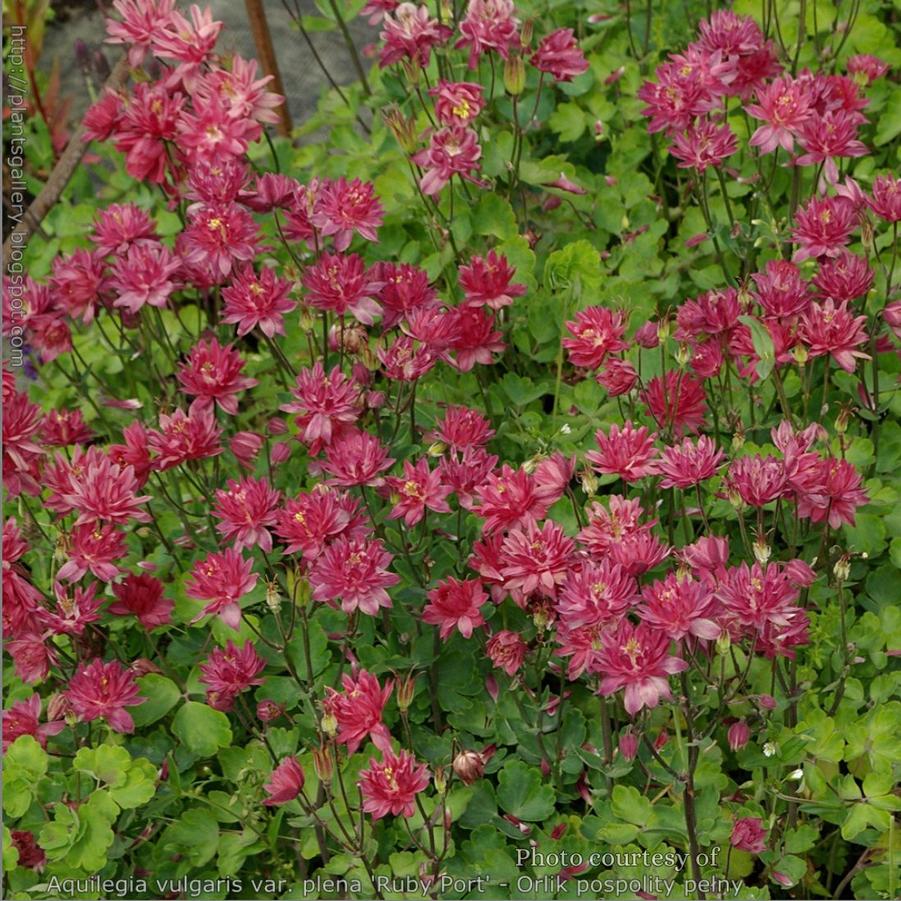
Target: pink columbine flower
[596,331]
[749,835]
[829,491]
[823,227]
[230,670]
[757,480]
[618,377]
[828,137]
[142,21]
[784,105]
[391,786]
[141,595]
[560,56]
[506,650]
[340,283]
[739,735]
[311,520]
[536,559]
[453,150]
[677,401]
[218,236]
[103,691]
[866,68]
[355,572]
[75,611]
[344,207]
[356,458]
[24,718]
[358,710]
[455,604]
[627,452]
[257,301]
[416,491]
[121,225]
[488,25]
[63,428]
[185,436]
[222,580]
[104,491]
[703,145]
[473,337]
[595,594]
[457,102]
[827,328]
[781,290]
[244,510]
[405,289]
[212,373]
[844,278]
[689,463]
[885,199]
[637,658]
[409,32]
[487,281]
[509,499]
[93,548]
[285,783]
[461,428]
[680,607]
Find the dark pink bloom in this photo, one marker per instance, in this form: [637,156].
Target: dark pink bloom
[885,198]
[340,283]
[473,337]
[218,236]
[784,105]
[391,786]
[595,594]
[457,102]
[75,611]
[781,290]
[680,607]
[637,658]
[142,596]
[757,480]
[739,735]
[618,377]
[104,491]
[285,783]
[120,225]
[405,288]
[212,373]
[358,710]
[823,227]
[488,25]
[596,331]
[230,670]
[77,281]
[24,718]
[94,548]
[185,436]
[244,511]
[452,151]
[828,137]
[829,329]
[222,580]
[506,650]
[356,458]
[829,491]
[257,300]
[844,278]
[147,273]
[536,559]
[63,428]
[416,491]
[749,835]
[689,463]
[461,428]
[103,691]
[626,452]
[455,604]
[704,144]
[509,499]
[560,56]
[344,207]
[409,32]
[32,656]
[142,21]
[355,572]
[486,281]
[865,68]
[307,523]
[676,401]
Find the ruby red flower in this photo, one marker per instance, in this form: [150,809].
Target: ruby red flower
[244,510]
[311,520]
[222,580]
[230,670]
[823,227]
[355,572]
[103,691]
[391,786]
[536,559]
[461,428]
[94,548]
[326,404]
[257,301]
[452,151]
[356,458]
[455,604]
[703,144]
[185,436]
[885,198]
[637,659]
[24,718]
[102,490]
[457,102]
[680,607]
[147,273]
[218,236]
[340,283]
[285,783]
[844,278]
[829,491]
[784,105]
[596,331]
[560,56]
[756,480]
[827,328]
[416,491]
[781,290]
[676,401]
[689,463]
[344,207]
[142,596]
[486,281]
[409,32]
[473,337]
[626,452]
[618,377]
[595,594]
[212,373]
[358,710]
[509,499]
[506,650]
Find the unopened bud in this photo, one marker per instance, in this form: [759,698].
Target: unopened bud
[273,598]
[437,449]
[723,643]
[762,551]
[515,75]
[323,763]
[405,692]
[739,735]
[842,568]
[469,766]
[799,352]
[329,725]
[440,780]
[770,749]
[683,354]
[526,34]
[628,745]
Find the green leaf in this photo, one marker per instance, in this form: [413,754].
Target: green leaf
[108,763]
[201,729]
[81,838]
[10,852]
[568,120]
[24,766]
[495,216]
[195,835]
[139,786]
[628,804]
[162,695]
[576,267]
[521,793]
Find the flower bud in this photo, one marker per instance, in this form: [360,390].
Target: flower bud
[767,702]
[469,766]
[405,692]
[515,75]
[267,711]
[684,354]
[628,745]
[800,354]
[723,643]
[440,780]
[762,550]
[329,725]
[770,749]
[842,568]
[739,735]
[273,598]
[661,740]
[526,34]
[663,330]
[281,452]
[57,707]
[437,449]
[323,763]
